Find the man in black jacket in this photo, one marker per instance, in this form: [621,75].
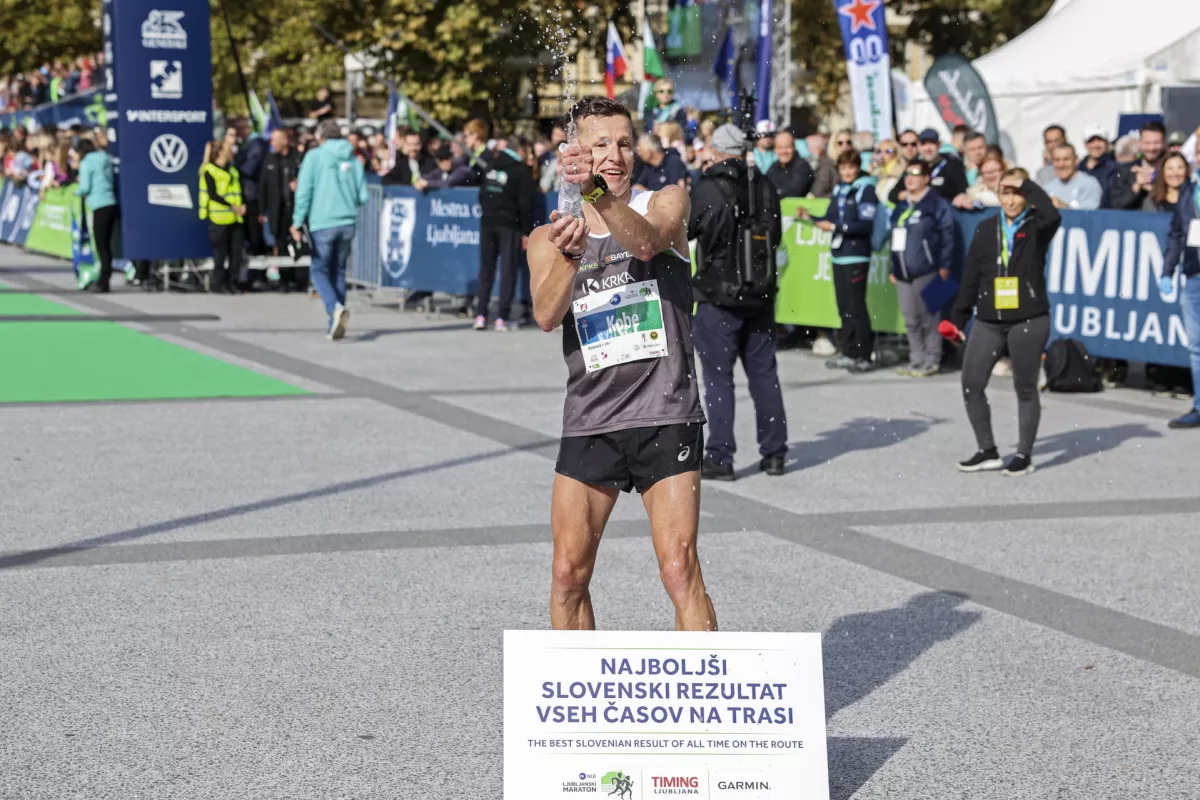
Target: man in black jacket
[729,323]
[791,176]
[249,162]
[506,194]
[277,188]
[411,162]
[1133,181]
[947,176]
[1099,161]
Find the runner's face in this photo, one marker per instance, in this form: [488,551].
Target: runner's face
[611,141]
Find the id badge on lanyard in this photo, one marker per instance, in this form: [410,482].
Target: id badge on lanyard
[1007,292]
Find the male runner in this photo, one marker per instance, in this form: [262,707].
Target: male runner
[619,284]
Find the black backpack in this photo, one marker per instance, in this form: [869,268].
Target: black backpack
[749,277]
[1069,368]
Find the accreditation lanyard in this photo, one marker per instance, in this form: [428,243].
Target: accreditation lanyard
[904,215]
[1196,190]
[841,201]
[1008,231]
[936,170]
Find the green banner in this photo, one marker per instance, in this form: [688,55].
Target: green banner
[51,231]
[806,295]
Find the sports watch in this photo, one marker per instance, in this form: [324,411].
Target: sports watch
[600,190]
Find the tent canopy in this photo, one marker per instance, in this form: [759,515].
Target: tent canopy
[1084,63]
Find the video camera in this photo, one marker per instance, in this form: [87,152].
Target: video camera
[745,117]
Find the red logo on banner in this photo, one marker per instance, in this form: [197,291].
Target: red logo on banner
[860,13]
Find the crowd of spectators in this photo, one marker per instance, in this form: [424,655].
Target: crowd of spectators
[50,83]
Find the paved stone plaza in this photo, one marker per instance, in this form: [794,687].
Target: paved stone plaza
[302,596]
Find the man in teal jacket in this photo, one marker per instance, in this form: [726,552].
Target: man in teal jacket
[329,191]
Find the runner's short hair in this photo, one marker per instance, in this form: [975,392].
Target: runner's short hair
[597,106]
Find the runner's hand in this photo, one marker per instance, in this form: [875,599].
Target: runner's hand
[575,164]
[944,273]
[568,233]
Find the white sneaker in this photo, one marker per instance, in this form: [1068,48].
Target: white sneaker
[502,326]
[341,316]
[823,347]
[481,323]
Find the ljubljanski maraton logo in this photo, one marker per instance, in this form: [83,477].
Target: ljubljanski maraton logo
[168,153]
[396,233]
[618,784]
[582,784]
[163,30]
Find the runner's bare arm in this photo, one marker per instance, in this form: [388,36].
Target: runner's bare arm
[551,274]
[662,228]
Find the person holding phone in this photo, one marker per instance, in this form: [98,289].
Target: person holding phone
[1004,284]
[1134,181]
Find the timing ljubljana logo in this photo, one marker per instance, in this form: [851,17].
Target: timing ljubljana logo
[163,30]
[168,153]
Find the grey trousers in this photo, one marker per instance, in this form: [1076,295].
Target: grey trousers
[1024,342]
[924,341]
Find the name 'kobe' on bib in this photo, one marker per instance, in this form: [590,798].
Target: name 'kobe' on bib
[620,325]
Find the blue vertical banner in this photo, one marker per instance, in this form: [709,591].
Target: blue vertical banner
[766,47]
[726,69]
[159,55]
[864,36]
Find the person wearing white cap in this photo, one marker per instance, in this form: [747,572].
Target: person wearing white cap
[764,149]
[1099,162]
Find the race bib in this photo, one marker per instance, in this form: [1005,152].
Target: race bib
[837,241]
[899,239]
[1193,239]
[621,325]
[1007,294]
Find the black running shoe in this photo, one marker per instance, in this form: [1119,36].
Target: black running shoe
[982,461]
[861,366]
[772,465]
[712,471]
[1019,465]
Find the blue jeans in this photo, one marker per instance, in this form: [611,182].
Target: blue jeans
[1189,299]
[330,250]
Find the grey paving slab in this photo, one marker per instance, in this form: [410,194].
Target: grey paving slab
[1144,566]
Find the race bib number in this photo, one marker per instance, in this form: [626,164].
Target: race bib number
[1193,239]
[899,239]
[621,325]
[1008,295]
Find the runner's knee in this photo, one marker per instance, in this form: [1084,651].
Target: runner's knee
[679,571]
[570,575]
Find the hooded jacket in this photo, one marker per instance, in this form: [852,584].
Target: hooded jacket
[1027,263]
[96,180]
[852,212]
[506,193]
[1104,171]
[929,244]
[331,187]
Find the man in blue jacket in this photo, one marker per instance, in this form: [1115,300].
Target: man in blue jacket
[329,191]
[1183,244]
[1099,162]
[922,250]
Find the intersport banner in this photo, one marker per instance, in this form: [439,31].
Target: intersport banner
[864,36]
[961,96]
[161,77]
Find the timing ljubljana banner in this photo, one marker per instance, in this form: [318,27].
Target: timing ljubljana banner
[864,36]
[162,77]
[646,715]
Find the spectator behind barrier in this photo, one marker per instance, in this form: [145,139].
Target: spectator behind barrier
[985,192]
[1099,162]
[887,167]
[824,171]
[446,175]
[791,176]
[1133,181]
[1071,188]
[1167,190]
[1052,137]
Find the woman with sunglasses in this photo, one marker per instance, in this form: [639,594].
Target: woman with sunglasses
[669,109]
[1004,283]
[889,167]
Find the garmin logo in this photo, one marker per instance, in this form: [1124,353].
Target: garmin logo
[745,786]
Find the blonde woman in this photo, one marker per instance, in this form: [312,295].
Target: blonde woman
[985,192]
[222,206]
[888,168]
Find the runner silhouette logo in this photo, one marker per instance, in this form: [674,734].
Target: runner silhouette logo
[618,784]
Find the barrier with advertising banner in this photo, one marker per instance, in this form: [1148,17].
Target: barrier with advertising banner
[51,231]
[429,241]
[806,295]
[86,108]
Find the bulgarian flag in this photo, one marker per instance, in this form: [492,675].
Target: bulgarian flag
[614,63]
[653,69]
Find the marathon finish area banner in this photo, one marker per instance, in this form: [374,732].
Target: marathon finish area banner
[636,715]
[162,78]
[1102,276]
[868,64]
[18,205]
[961,96]
[430,241]
[82,109]
[806,295]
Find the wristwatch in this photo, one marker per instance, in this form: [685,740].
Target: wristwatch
[600,190]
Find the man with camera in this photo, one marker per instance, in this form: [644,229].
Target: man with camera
[735,218]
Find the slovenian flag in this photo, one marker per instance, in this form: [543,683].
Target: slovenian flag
[614,63]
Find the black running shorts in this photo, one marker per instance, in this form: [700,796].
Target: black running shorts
[636,458]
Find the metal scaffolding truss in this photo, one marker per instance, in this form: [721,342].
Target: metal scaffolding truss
[781,63]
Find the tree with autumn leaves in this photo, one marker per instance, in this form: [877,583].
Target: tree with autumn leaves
[452,56]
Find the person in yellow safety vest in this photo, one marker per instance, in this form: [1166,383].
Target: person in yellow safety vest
[221,204]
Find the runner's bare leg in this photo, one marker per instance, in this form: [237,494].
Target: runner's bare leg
[674,508]
[578,514]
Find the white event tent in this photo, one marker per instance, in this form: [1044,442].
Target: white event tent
[1085,63]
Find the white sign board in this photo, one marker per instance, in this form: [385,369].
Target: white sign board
[660,715]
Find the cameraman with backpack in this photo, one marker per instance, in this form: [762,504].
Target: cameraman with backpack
[735,289]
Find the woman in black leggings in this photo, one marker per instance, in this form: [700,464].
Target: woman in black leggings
[1004,282]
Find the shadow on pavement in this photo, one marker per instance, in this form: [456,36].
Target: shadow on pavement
[865,651]
[1071,445]
[853,760]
